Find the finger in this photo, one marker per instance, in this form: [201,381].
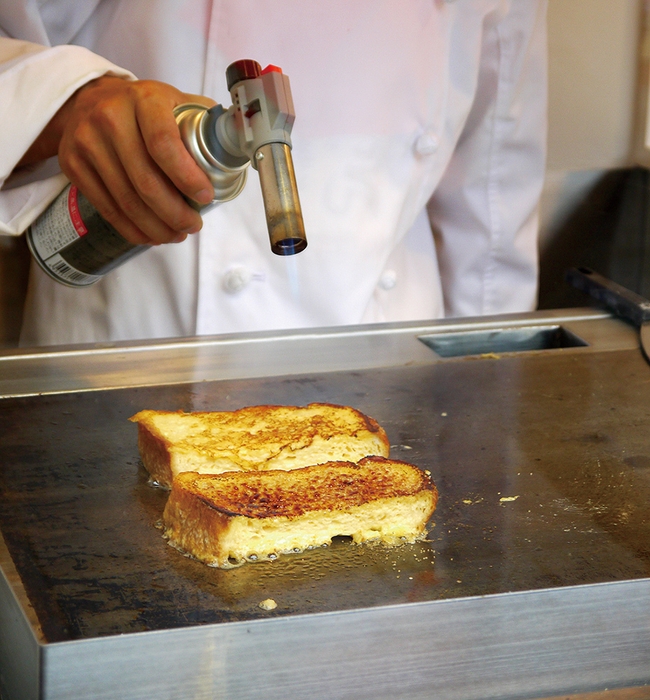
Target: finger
[138,214]
[109,189]
[163,142]
[98,195]
[111,144]
[152,186]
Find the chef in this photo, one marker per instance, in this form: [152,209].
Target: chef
[418,146]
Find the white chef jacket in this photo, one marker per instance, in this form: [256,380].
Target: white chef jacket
[418,146]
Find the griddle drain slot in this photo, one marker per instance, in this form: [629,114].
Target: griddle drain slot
[502,340]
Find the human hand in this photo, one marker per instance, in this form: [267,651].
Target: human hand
[118,141]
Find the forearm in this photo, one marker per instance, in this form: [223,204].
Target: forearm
[35,81]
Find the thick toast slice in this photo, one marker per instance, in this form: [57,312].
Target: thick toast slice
[254,438]
[226,519]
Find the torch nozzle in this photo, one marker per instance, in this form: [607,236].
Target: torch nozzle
[281,202]
[258,125]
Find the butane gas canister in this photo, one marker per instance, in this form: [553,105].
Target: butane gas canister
[77,247]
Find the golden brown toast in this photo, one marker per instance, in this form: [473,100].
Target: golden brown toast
[227,519]
[254,438]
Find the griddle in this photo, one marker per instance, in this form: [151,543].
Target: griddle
[542,461]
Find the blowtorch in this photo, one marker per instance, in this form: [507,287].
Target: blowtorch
[77,247]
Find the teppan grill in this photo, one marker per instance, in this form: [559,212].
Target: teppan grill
[532,581]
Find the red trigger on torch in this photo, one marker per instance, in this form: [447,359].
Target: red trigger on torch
[271,69]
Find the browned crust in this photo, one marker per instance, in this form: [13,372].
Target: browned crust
[254,415]
[370,423]
[263,434]
[154,451]
[188,521]
[325,487]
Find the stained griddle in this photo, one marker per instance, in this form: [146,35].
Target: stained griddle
[542,461]
[538,486]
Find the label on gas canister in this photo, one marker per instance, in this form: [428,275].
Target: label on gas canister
[74,244]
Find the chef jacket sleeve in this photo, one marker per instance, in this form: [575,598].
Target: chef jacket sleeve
[35,81]
[485,211]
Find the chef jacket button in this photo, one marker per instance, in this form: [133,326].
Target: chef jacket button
[426,144]
[235,279]
[388,280]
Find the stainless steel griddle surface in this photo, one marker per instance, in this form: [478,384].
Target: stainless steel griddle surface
[542,461]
